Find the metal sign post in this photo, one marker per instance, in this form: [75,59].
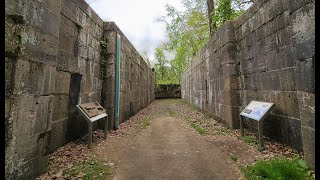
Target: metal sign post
[257,111]
[92,112]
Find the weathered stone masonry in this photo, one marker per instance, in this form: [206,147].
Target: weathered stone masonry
[137,83]
[54,59]
[267,54]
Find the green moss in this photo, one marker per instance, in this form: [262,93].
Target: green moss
[91,169]
[145,123]
[172,113]
[199,129]
[279,168]
[103,44]
[249,139]
[222,131]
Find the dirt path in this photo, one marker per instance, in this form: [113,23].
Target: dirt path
[168,149]
[169,139]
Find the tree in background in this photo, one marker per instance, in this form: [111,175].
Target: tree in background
[211,14]
[189,30]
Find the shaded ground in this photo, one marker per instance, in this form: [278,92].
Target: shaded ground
[163,142]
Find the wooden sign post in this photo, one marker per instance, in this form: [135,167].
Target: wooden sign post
[257,111]
[92,112]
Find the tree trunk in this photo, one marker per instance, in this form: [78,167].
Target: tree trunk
[210,4]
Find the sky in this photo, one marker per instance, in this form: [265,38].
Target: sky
[137,20]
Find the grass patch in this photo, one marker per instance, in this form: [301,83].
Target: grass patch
[145,123]
[199,129]
[233,158]
[249,139]
[90,169]
[222,131]
[172,113]
[279,168]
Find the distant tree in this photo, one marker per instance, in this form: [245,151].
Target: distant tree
[211,13]
[189,30]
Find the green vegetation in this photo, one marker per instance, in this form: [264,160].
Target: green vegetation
[222,131]
[188,31]
[233,158]
[249,139]
[199,129]
[91,169]
[145,123]
[279,168]
[172,113]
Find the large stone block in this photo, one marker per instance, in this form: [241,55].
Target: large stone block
[273,127]
[295,5]
[62,82]
[303,33]
[31,116]
[67,62]
[69,9]
[8,123]
[308,139]
[9,74]
[60,107]
[307,108]
[251,82]
[285,58]
[230,69]
[305,75]
[12,32]
[58,133]
[294,133]
[283,36]
[39,46]
[33,78]
[274,8]
[229,114]
[68,43]
[68,27]
[287,79]
[231,98]
[270,80]
[246,67]
[286,103]
[42,18]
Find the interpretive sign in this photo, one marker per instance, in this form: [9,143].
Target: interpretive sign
[92,112]
[257,111]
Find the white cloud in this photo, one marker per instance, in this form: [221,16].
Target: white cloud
[136,19]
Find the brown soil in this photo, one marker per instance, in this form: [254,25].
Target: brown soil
[170,148]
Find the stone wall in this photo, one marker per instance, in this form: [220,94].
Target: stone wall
[53,62]
[267,54]
[167,91]
[137,83]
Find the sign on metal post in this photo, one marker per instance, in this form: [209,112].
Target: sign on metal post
[257,111]
[92,112]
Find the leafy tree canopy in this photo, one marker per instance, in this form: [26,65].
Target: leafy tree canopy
[188,31]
